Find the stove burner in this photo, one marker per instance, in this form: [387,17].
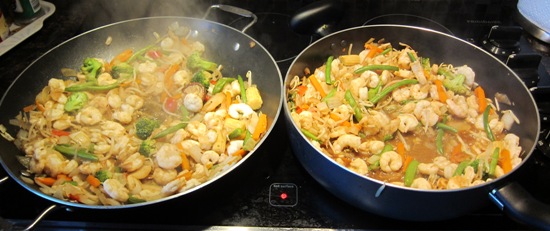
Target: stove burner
[408,19]
[273,31]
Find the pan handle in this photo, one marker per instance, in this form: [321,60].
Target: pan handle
[234,10]
[517,203]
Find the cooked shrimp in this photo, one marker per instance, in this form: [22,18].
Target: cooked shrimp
[359,166]
[371,147]
[421,183]
[164,176]
[425,113]
[428,168]
[210,157]
[133,162]
[390,161]
[168,156]
[192,148]
[407,122]
[240,110]
[346,141]
[116,190]
[89,116]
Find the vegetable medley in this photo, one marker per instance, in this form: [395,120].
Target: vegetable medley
[144,125]
[389,114]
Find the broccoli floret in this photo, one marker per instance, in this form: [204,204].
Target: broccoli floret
[196,62]
[145,126]
[90,68]
[453,82]
[103,175]
[202,77]
[122,70]
[76,101]
[147,147]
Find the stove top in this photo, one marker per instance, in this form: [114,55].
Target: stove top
[280,193]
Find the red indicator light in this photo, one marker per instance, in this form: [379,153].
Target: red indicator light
[284,196]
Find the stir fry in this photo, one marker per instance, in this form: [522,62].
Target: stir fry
[142,126]
[389,114]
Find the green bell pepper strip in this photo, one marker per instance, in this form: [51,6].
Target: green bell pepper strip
[170,130]
[387,148]
[243,90]
[389,89]
[410,172]
[220,84]
[71,152]
[446,127]
[375,67]
[494,161]
[356,111]
[460,168]
[308,134]
[328,67]
[486,123]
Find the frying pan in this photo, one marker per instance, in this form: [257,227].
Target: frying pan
[235,50]
[415,204]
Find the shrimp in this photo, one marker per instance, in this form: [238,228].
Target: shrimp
[401,94]
[419,91]
[182,77]
[116,190]
[192,102]
[133,162]
[164,176]
[147,67]
[468,73]
[359,166]
[135,101]
[428,168]
[305,120]
[113,99]
[407,122]
[89,168]
[458,106]
[210,157]
[457,182]
[403,60]
[168,156]
[421,183]
[344,141]
[240,110]
[105,78]
[141,173]
[89,116]
[124,115]
[371,147]
[390,161]
[425,113]
[54,112]
[192,148]
[173,186]
[196,128]
[112,129]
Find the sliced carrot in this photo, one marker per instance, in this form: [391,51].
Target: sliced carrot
[185,162]
[505,161]
[457,155]
[57,132]
[122,57]
[63,177]
[401,149]
[440,91]
[49,181]
[301,90]
[227,99]
[373,50]
[335,116]
[481,100]
[168,82]
[93,181]
[261,127]
[241,152]
[188,175]
[29,108]
[317,85]
[40,107]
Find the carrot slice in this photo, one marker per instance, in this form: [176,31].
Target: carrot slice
[440,91]
[261,127]
[93,181]
[49,181]
[317,85]
[168,82]
[481,100]
[505,161]
[239,152]
[301,90]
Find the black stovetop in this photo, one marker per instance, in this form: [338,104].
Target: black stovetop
[245,201]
